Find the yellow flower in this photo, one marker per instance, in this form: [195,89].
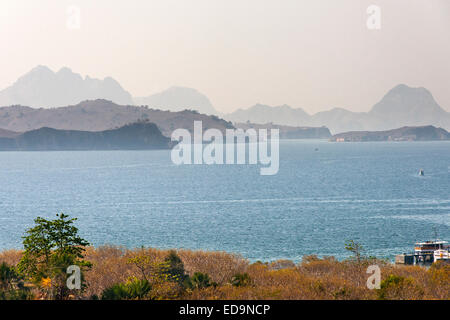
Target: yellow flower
[46,282]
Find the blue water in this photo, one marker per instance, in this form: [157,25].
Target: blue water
[369,192]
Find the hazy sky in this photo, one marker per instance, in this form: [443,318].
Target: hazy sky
[314,54]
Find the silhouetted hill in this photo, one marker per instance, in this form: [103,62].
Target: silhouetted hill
[407,106]
[41,87]
[401,106]
[261,114]
[178,99]
[134,136]
[339,119]
[424,133]
[289,132]
[99,115]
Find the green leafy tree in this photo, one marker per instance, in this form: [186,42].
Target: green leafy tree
[50,247]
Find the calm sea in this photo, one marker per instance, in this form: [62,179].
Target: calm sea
[323,194]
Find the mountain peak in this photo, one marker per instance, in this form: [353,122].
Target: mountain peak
[41,87]
[405,99]
[178,98]
[407,105]
[38,73]
[65,70]
[41,68]
[405,89]
[401,87]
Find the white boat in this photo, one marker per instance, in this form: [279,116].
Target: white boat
[441,255]
[426,252]
[431,251]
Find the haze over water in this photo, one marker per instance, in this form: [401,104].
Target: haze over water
[369,192]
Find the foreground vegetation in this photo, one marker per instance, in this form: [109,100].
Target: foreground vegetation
[109,272]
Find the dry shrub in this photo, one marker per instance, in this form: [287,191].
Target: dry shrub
[11,257]
[220,266]
[228,292]
[438,285]
[281,264]
[165,290]
[109,267]
[146,261]
[316,267]
[314,278]
[399,288]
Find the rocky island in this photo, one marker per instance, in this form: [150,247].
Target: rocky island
[136,136]
[422,133]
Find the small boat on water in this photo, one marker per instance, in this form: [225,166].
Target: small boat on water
[421,172]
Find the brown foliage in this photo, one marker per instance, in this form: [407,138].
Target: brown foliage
[10,257]
[109,266]
[313,278]
[220,266]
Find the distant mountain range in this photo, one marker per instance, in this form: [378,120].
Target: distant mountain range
[41,87]
[423,133]
[401,106]
[142,135]
[99,115]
